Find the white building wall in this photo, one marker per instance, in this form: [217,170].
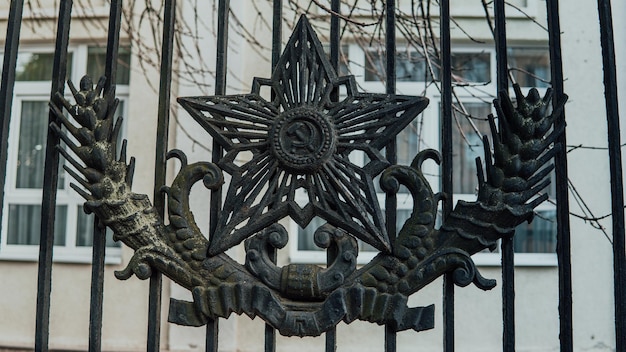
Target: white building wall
[478,314]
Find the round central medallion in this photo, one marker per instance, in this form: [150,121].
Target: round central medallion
[302,139]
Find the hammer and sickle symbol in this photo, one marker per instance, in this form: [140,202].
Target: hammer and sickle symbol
[303,135]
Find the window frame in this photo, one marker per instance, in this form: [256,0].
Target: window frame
[40,91]
[530,10]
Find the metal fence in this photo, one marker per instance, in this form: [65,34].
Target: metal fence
[508,338]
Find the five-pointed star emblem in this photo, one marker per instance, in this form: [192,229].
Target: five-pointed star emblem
[301,140]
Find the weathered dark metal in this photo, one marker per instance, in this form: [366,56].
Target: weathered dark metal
[335,39]
[217,153]
[391,201]
[277,41]
[295,146]
[615,165]
[97,288]
[564,251]
[305,146]
[9,63]
[508,254]
[162,140]
[51,167]
[99,232]
[446,163]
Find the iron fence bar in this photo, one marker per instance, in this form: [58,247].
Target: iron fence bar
[165,85]
[564,252]
[51,170]
[270,333]
[162,141]
[277,14]
[335,7]
[223,12]
[615,166]
[277,31]
[331,334]
[97,288]
[446,151]
[113,40]
[508,257]
[8,83]
[391,148]
[99,232]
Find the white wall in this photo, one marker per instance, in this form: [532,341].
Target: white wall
[478,314]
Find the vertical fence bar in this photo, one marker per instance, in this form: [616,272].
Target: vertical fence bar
[508,257]
[277,32]
[51,167]
[391,148]
[331,334]
[277,38]
[335,7]
[8,83]
[615,165]
[223,13]
[564,253]
[446,150]
[162,141]
[97,287]
[99,232]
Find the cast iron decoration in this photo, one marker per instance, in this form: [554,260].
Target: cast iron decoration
[301,141]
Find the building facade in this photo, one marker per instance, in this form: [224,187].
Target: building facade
[478,314]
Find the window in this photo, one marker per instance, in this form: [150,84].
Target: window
[472,67]
[535,243]
[410,67]
[459,8]
[530,67]
[25,165]
[471,124]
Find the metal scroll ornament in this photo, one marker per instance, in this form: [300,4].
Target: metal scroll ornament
[300,143]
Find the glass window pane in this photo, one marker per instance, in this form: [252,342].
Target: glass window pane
[410,67]
[96,59]
[38,66]
[84,231]
[408,143]
[25,224]
[537,237]
[471,67]
[464,4]
[307,243]
[467,131]
[374,66]
[530,67]
[32,146]
[344,60]
[305,235]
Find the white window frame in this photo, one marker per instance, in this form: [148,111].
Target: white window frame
[431,131]
[472,9]
[40,91]
[47,11]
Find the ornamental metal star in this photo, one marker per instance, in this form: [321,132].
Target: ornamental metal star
[302,140]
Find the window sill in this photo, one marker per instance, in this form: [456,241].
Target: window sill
[61,255]
[481,259]
[521,259]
